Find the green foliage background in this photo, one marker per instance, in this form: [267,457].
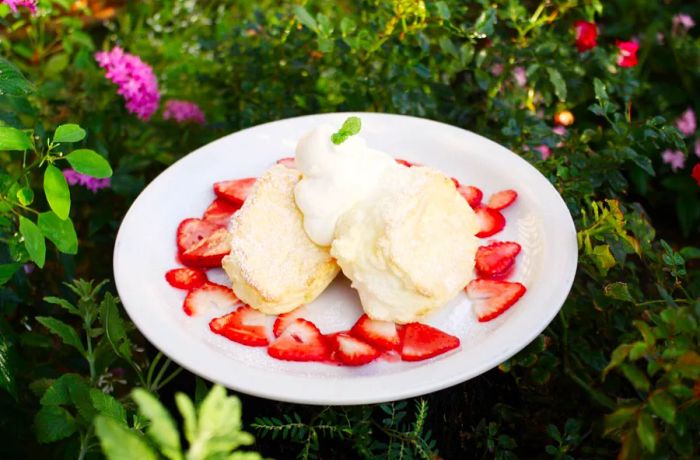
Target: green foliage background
[616,374]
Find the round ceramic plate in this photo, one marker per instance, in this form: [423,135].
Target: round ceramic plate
[539,220]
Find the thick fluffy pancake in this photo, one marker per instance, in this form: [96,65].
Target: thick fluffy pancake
[273,265]
[409,248]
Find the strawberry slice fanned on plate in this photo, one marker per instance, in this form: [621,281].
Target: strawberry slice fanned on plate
[235,190]
[245,325]
[300,341]
[491,298]
[421,341]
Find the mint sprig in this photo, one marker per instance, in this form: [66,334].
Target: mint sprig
[350,127]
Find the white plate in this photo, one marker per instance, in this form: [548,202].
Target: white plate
[539,220]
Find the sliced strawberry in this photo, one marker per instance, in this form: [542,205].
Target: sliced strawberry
[220,211]
[421,341]
[245,325]
[352,351]
[490,221]
[381,334]
[209,296]
[406,162]
[502,199]
[284,320]
[185,278]
[491,298]
[300,341]
[208,252]
[234,191]
[289,162]
[496,259]
[455,181]
[192,231]
[472,194]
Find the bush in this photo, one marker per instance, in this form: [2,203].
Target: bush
[599,97]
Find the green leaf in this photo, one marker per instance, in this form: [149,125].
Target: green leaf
[600,92]
[59,232]
[7,271]
[62,303]
[162,428]
[603,258]
[617,357]
[55,65]
[120,443]
[12,82]
[107,405]
[13,139]
[350,127]
[663,406]
[618,291]
[443,10]
[619,419]
[57,192]
[33,241]
[25,196]
[115,331]
[69,133]
[558,82]
[646,431]
[189,415]
[53,423]
[304,17]
[90,163]
[690,252]
[8,358]
[64,331]
[635,376]
[59,393]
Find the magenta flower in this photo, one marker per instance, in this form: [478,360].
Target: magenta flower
[497,69]
[545,151]
[91,183]
[136,80]
[675,158]
[183,112]
[560,130]
[520,76]
[686,122]
[684,21]
[14,4]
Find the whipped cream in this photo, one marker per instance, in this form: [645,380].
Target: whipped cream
[335,178]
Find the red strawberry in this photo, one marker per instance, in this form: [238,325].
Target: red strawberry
[245,325]
[496,259]
[406,163]
[220,211]
[300,341]
[381,334]
[208,252]
[234,191]
[472,194]
[351,351]
[502,199]
[289,162]
[185,278]
[284,320]
[491,297]
[421,341]
[192,231]
[490,221]
[208,296]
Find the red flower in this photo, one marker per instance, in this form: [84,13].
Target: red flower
[586,33]
[628,53]
[696,173]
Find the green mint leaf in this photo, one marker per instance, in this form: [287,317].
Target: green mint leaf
[119,442]
[57,192]
[53,423]
[64,331]
[107,405]
[350,127]
[162,428]
[33,241]
[59,232]
[69,133]
[13,139]
[90,163]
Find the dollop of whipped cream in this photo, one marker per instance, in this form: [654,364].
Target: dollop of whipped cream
[335,178]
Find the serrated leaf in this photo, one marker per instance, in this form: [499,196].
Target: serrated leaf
[13,139]
[60,232]
[107,405]
[618,291]
[162,428]
[33,241]
[12,82]
[120,443]
[57,192]
[62,303]
[64,331]
[90,163]
[558,82]
[69,133]
[663,406]
[53,423]
[646,431]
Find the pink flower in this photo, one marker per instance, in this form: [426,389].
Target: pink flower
[91,183]
[183,111]
[13,4]
[545,151]
[136,80]
[675,158]
[686,122]
[684,21]
[497,69]
[628,53]
[560,130]
[520,76]
[586,34]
